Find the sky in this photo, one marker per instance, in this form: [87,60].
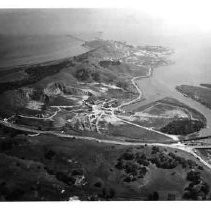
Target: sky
[61,21]
[161,16]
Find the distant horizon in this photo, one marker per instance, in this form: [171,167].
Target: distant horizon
[69,20]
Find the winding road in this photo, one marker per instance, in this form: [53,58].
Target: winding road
[176,145]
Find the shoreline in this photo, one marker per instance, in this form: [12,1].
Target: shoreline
[153,90]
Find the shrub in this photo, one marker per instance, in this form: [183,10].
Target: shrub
[131,168]
[82,74]
[128,156]
[142,160]
[193,176]
[76,172]
[50,154]
[119,165]
[98,184]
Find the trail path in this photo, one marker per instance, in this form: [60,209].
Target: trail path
[177,145]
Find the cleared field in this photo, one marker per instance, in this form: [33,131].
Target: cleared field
[137,133]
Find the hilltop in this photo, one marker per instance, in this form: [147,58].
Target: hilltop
[95,83]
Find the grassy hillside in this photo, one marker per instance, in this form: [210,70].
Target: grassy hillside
[94,66]
[60,169]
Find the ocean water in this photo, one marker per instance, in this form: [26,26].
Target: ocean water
[30,49]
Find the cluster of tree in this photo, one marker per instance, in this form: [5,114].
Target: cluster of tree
[122,84]
[130,168]
[133,172]
[64,173]
[39,72]
[49,154]
[170,161]
[98,184]
[160,159]
[197,189]
[142,172]
[38,95]
[182,161]
[182,127]
[91,72]
[133,165]
[10,195]
[77,172]
[194,176]
[12,142]
[155,150]
[35,73]
[128,155]
[164,161]
[67,178]
[107,63]
[82,57]
[129,179]
[86,74]
[142,159]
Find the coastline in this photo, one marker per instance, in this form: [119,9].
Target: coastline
[154,89]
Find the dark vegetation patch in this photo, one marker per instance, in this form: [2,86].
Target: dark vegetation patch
[136,165]
[107,63]
[44,125]
[197,189]
[86,74]
[182,127]
[88,170]
[23,180]
[35,73]
[60,101]
[170,161]
[10,132]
